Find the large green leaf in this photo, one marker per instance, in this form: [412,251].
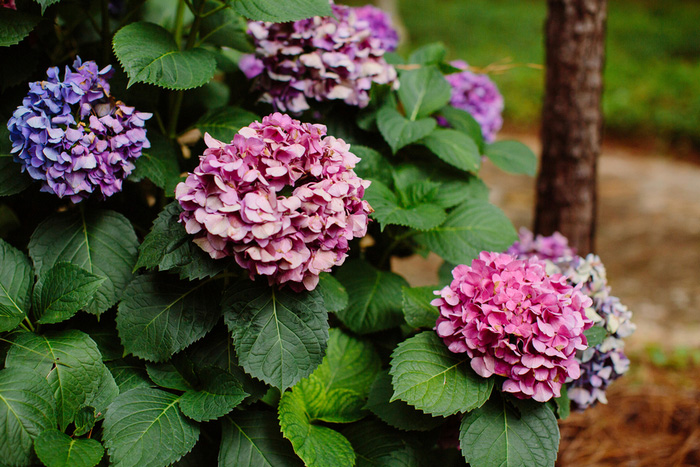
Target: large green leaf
[317,445]
[220,392]
[335,297]
[161,315]
[226,28]
[372,165]
[15,26]
[56,449]
[12,180]
[280,336]
[389,211]
[101,242]
[166,375]
[129,374]
[145,428]
[15,286]
[431,378]
[27,408]
[471,228]
[512,156]
[279,12]
[398,131]
[500,435]
[375,297]
[149,54]
[224,123]
[429,54]
[169,247]
[253,439]
[397,413]
[462,120]
[423,91]
[64,290]
[107,391]
[595,335]
[417,309]
[158,164]
[375,443]
[70,362]
[455,148]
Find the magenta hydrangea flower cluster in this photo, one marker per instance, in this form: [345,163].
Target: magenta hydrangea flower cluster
[554,246]
[8,4]
[515,320]
[282,198]
[337,57]
[74,137]
[478,95]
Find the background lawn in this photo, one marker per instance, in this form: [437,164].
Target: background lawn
[652,74]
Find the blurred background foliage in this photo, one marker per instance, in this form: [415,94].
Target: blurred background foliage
[652,74]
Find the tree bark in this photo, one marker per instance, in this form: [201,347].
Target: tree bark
[572,121]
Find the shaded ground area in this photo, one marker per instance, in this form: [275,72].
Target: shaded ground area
[649,239]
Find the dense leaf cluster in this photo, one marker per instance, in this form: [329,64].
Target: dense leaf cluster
[118,334]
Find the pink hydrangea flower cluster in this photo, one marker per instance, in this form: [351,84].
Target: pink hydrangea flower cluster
[516,321]
[337,57]
[281,198]
[552,247]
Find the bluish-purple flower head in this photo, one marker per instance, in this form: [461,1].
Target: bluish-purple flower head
[552,247]
[73,136]
[478,95]
[337,57]
[380,24]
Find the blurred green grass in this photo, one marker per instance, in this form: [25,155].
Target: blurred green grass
[652,73]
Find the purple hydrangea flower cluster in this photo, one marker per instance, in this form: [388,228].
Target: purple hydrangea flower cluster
[478,95]
[554,246]
[604,363]
[381,26]
[322,58]
[515,320]
[74,137]
[282,199]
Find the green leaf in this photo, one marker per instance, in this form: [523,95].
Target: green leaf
[317,445]
[595,335]
[335,297]
[161,316]
[431,378]
[227,29]
[563,404]
[253,439]
[166,375]
[399,131]
[397,413]
[84,421]
[430,54]
[107,391]
[471,228]
[372,166]
[12,180]
[169,247]
[455,148]
[15,26]
[374,443]
[417,309]
[64,290]
[220,393]
[70,362]
[137,423]
[158,164]
[463,121]
[15,286]
[375,297]
[45,4]
[279,12]
[512,156]
[101,242]
[280,336]
[388,210]
[224,123]
[149,54]
[27,408]
[498,434]
[423,91]
[56,449]
[129,374]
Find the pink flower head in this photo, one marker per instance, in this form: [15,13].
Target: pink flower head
[337,57]
[515,321]
[281,198]
[8,4]
[554,247]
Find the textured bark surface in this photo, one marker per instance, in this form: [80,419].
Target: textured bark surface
[572,121]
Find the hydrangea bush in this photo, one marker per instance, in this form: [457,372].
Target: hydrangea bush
[204,276]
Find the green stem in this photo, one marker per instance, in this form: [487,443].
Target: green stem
[29,323]
[397,241]
[179,17]
[106,34]
[214,11]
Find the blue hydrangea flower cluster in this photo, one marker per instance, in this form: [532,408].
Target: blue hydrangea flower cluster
[74,136]
[604,363]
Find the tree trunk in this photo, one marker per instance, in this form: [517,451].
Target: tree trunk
[572,121]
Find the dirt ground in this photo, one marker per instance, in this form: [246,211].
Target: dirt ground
[649,240]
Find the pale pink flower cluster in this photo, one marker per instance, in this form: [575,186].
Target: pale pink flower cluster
[282,199]
[514,320]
